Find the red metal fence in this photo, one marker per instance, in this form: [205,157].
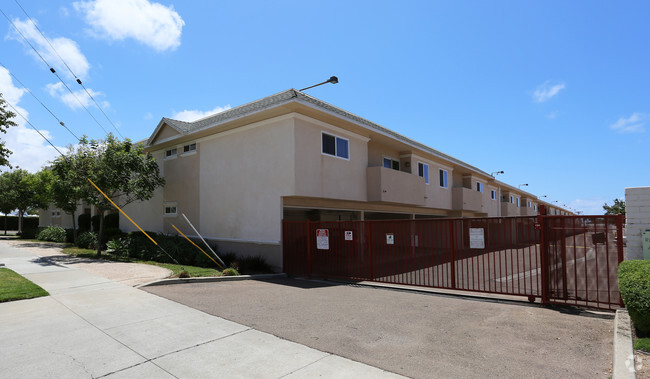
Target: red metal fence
[556,258]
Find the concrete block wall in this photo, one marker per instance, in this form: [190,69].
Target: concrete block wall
[637,219]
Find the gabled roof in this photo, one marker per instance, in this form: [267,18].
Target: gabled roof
[288,96]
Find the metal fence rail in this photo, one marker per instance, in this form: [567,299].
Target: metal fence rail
[560,259]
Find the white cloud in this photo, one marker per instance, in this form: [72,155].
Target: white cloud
[153,24]
[30,150]
[633,124]
[193,115]
[66,48]
[546,91]
[57,90]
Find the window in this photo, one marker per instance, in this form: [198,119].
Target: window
[517,202]
[493,194]
[530,204]
[171,153]
[189,148]
[335,146]
[423,171]
[512,199]
[443,178]
[479,187]
[391,163]
[170,209]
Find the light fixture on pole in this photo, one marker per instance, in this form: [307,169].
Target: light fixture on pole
[332,79]
[496,173]
[523,185]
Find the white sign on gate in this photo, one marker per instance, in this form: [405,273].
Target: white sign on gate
[390,239]
[322,239]
[348,235]
[476,238]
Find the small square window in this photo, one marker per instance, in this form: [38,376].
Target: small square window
[336,146]
[171,153]
[189,148]
[170,209]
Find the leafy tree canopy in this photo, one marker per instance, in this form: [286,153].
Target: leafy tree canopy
[617,208]
[5,122]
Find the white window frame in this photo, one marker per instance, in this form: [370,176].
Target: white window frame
[493,194]
[190,151]
[479,187]
[170,205]
[336,138]
[392,160]
[425,176]
[445,183]
[518,204]
[173,155]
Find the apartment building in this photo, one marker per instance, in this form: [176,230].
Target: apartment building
[237,174]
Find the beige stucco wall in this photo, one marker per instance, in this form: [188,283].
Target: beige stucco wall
[182,189]
[244,174]
[321,175]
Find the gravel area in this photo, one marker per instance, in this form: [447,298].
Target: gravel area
[131,274]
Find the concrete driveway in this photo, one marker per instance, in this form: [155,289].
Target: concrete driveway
[414,334]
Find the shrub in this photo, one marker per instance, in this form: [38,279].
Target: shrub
[95,223]
[69,235]
[87,240]
[112,221]
[118,246]
[634,284]
[229,272]
[53,234]
[184,274]
[84,221]
[30,233]
[247,265]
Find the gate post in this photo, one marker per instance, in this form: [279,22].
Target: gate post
[369,246]
[451,251]
[619,245]
[309,240]
[541,220]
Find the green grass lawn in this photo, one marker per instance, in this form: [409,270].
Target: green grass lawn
[15,287]
[192,270]
[642,344]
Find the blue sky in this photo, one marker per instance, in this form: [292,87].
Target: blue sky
[554,93]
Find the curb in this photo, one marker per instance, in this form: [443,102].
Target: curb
[209,279]
[623,348]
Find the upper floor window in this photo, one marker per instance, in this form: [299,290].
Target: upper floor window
[493,194]
[479,186]
[171,153]
[336,146]
[423,171]
[517,202]
[443,178]
[530,204]
[391,163]
[189,148]
[512,199]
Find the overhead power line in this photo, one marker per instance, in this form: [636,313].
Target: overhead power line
[52,70]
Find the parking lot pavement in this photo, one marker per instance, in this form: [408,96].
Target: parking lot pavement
[414,334]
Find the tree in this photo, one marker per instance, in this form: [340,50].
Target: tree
[31,192]
[120,169]
[617,208]
[5,122]
[68,188]
[7,196]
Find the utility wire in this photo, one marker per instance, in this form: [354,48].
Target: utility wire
[69,69]
[37,99]
[52,70]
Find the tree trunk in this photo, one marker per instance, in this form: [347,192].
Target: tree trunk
[100,233]
[74,229]
[5,224]
[20,222]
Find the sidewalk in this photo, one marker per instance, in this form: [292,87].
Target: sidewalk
[94,327]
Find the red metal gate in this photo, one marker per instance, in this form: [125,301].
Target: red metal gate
[560,259]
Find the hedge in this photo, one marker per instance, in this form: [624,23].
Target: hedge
[12,222]
[634,284]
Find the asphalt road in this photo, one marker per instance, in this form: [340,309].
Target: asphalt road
[414,334]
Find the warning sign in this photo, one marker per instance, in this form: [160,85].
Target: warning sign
[476,238]
[348,235]
[322,239]
[390,239]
